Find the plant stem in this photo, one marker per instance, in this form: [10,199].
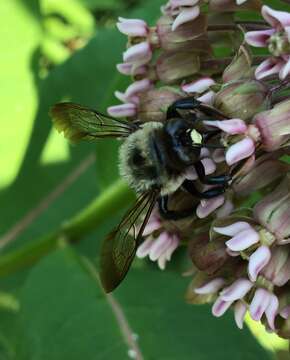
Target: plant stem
[254,25]
[113,199]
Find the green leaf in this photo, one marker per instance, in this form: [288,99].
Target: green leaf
[65,315]
[20,37]
[170,329]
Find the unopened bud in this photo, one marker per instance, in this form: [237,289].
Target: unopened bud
[182,37]
[273,212]
[242,99]
[174,65]
[154,103]
[274,126]
[240,67]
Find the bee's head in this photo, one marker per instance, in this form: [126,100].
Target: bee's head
[185,142]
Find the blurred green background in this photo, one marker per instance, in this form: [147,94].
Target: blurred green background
[51,304]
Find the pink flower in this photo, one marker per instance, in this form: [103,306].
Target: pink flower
[242,149]
[130,98]
[277,41]
[263,301]
[158,249]
[132,27]
[243,236]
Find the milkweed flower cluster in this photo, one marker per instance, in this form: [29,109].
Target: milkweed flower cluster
[238,242]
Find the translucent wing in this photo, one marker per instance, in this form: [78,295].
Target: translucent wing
[80,123]
[120,246]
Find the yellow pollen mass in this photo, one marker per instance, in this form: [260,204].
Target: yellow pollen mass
[196,137]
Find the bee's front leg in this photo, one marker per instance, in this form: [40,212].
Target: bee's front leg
[189,103]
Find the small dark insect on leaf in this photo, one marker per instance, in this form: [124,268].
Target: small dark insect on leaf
[120,247]
[80,123]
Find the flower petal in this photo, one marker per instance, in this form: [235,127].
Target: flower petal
[176,3]
[185,15]
[144,249]
[122,110]
[243,240]
[198,86]
[259,303]
[208,206]
[285,312]
[159,246]
[210,287]
[138,54]
[132,27]
[284,72]
[275,18]
[232,126]
[259,38]
[138,86]
[268,67]
[151,227]
[207,98]
[258,260]
[272,311]
[220,307]
[240,150]
[237,290]
[240,312]
[233,229]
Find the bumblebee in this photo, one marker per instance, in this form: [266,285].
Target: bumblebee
[153,159]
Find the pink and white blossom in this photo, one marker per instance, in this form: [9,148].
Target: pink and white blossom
[276,39]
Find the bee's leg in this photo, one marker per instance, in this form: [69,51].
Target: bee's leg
[173,214]
[189,186]
[209,134]
[210,180]
[189,103]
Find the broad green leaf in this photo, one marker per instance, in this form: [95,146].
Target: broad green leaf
[65,315]
[170,329]
[20,36]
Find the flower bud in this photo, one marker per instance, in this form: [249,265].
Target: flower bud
[240,67]
[242,99]
[273,212]
[208,256]
[182,37]
[274,126]
[265,171]
[174,65]
[154,103]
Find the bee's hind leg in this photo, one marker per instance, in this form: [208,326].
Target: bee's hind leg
[173,214]
[211,180]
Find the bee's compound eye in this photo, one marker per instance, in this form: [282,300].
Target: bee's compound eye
[137,158]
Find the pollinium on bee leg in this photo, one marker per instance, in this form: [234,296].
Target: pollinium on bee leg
[210,180]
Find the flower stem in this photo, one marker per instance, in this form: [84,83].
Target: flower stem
[113,199]
[248,25]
